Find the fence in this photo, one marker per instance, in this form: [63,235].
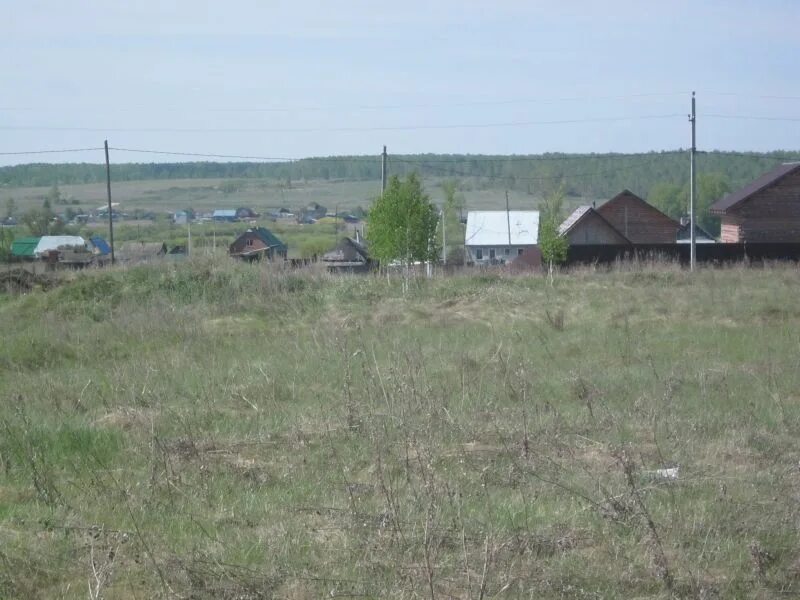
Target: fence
[705,253]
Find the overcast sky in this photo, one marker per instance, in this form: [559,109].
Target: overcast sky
[302,78]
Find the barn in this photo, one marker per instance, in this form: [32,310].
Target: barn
[638,221]
[766,210]
[586,226]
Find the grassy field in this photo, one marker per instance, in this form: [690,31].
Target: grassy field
[217,430]
[167,196]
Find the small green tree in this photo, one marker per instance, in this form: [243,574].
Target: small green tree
[553,246]
[402,223]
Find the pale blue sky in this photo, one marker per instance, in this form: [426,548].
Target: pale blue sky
[302,78]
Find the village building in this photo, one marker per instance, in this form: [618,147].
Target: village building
[181,217]
[225,215]
[497,236]
[258,243]
[586,226]
[701,236]
[350,256]
[638,221]
[244,213]
[766,210]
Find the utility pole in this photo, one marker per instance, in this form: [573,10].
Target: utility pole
[692,188]
[383,171]
[508,221]
[444,237]
[110,220]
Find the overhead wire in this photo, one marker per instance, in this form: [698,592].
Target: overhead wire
[339,129]
[62,151]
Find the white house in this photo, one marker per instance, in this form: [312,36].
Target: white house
[499,236]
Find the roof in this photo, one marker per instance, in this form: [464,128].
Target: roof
[491,228]
[225,213]
[54,242]
[347,250]
[701,236]
[627,193]
[101,245]
[578,215]
[269,238]
[573,219]
[24,246]
[767,179]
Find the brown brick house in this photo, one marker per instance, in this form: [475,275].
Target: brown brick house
[638,221]
[766,210]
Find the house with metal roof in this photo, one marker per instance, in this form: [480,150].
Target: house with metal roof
[498,236]
[765,210]
[225,215]
[258,243]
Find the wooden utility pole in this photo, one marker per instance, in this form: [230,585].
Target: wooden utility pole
[692,189]
[383,171]
[508,221]
[110,210]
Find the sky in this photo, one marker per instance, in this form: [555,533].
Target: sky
[318,78]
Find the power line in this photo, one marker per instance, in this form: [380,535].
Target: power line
[749,117]
[340,129]
[50,151]
[368,107]
[755,96]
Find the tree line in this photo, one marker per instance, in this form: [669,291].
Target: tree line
[583,175]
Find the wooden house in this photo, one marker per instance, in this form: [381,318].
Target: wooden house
[638,221]
[766,210]
[258,243]
[586,226]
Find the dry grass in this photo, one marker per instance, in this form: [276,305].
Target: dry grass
[210,430]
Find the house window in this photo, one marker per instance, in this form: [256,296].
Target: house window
[519,251]
[507,251]
[491,253]
[479,254]
[249,241]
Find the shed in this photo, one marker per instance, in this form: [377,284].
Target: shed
[701,236]
[586,226]
[349,255]
[256,243]
[100,246]
[638,221]
[765,210]
[497,236]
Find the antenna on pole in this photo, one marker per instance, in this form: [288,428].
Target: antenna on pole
[692,188]
[108,190]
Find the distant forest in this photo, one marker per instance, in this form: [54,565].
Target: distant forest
[584,175]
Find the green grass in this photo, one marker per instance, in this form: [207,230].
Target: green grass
[219,430]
